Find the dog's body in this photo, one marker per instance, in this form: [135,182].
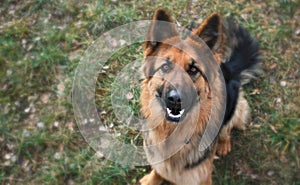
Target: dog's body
[176,96]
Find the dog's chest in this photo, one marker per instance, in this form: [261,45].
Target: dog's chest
[174,168]
[181,176]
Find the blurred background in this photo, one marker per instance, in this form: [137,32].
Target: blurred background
[40,47]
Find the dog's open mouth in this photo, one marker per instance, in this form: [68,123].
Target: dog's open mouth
[174,114]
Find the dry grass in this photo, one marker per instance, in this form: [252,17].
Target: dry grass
[40,47]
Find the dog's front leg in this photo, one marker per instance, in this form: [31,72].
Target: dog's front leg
[151,179]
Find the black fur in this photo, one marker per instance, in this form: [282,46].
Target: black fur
[232,90]
[245,56]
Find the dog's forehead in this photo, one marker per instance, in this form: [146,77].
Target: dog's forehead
[177,55]
[182,52]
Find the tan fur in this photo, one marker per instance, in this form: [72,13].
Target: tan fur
[172,168]
[220,48]
[238,121]
[152,179]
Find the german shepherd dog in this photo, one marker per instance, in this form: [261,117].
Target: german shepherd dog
[177,97]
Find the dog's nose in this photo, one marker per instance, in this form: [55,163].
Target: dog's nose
[173,97]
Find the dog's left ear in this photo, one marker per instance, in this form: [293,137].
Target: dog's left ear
[211,32]
[161,28]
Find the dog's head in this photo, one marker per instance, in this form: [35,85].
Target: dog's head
[175,69]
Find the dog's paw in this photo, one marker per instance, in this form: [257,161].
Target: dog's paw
[224,147]
[145,180]
[151,179]
[240,126]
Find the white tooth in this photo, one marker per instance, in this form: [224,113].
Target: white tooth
[175,116]
[169,111]
[181,112]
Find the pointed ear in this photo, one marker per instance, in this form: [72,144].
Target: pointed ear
[210,31]
[160,29]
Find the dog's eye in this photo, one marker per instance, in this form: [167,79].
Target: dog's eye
[193,70]
[165,68]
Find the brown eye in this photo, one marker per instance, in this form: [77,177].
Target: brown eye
[165,68]
[193,70]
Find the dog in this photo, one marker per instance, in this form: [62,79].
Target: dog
[177,97]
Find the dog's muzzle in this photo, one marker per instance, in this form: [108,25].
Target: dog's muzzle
[174,107]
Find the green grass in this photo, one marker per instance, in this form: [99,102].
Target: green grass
[40,47]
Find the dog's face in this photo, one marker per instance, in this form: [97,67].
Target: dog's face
[175,75]
[175,80]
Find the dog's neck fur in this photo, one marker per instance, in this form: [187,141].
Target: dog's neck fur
[191,156]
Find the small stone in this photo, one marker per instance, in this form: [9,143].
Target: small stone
[283,83]
[297,32]
[99,155]
[57,155]
[117,134]
[45,98]
[8,156]
[244,16]
[13,158]
[253,176]
[24,42]
[4,88]
[9,72]
[278,100]
[25,166]
[60,88]
[10,146]
[27,110]
[85,121]
[122,42]
[102,128]
[37,39]
[103,112]
[105,67]
[17,103]
[56,124]
[70,182]
[270,173]
[70,126]
[30,46]
[6,163]
[25,133]
[7,108]
[129,96]
[40,124]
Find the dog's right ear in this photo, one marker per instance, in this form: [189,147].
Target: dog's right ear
[161,28]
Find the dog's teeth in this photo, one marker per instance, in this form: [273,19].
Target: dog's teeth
[169,111]
[181,112]
[175,116]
